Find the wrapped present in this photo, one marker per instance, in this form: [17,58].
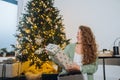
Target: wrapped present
[10,70]
[58,55]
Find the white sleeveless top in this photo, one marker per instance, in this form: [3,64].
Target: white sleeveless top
[78,60]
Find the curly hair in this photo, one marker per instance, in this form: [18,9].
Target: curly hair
[89,47]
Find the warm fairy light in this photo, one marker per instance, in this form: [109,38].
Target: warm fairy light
[33,4]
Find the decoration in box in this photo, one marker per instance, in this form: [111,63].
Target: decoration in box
[58,55]
[10,70]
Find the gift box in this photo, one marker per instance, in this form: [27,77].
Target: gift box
[58,55]
[10,70]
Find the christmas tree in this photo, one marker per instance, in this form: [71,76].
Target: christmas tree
[39,26]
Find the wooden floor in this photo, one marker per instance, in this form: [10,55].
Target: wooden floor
[14,78]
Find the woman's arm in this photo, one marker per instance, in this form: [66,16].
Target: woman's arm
[90,68]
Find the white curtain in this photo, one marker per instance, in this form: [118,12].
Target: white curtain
[21,8]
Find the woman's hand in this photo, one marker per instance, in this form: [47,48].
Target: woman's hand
[73,68]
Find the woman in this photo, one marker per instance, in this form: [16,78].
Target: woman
[83,53]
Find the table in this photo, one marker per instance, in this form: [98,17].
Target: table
[107,57]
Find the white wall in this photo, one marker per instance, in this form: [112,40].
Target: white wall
[103,16]
[8,20]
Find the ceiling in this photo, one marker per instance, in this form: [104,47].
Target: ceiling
[11,1]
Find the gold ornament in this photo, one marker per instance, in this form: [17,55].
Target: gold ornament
[34,27]
[27,31]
